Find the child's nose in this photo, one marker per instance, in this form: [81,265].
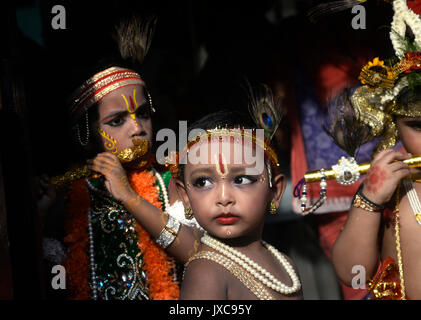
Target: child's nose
[137,128]
[225,196]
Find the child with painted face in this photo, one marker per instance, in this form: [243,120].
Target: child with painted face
[109,254]
[229,181]
[382,233]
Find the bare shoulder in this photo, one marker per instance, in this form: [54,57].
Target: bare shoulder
[204,280]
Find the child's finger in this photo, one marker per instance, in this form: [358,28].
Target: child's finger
[107,161]
[109,155]
[395,155]
[101,165]
[109,158]
[97,168]
[398,165]
[99,161]
[402,173]
[403,156]
[382,154]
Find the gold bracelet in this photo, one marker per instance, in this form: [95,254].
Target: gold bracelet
[359,202]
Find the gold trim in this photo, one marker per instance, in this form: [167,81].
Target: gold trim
[256,287]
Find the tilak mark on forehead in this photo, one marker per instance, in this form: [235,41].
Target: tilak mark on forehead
[221,165]
[132,107]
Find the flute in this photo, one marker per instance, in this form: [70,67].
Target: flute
[346,170]
[129,157]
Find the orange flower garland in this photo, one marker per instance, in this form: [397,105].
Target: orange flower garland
[158,266]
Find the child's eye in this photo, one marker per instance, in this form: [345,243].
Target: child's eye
[202,182]
[143,112]
[244,180]
[118,121]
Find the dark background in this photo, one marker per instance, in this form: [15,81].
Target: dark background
[201,54]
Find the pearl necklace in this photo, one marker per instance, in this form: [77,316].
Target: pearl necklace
[92,259]
[414,200]
[253,268]
[163,188]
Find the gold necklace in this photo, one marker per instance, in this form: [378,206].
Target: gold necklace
[398,243]
[256,287]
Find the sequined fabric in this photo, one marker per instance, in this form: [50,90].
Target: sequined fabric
[118,260]
[385,285]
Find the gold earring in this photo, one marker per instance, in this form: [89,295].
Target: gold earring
[188,214]
[273,209]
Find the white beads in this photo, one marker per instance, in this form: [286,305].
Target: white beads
[413,199]
[256,270]
[163,188]
[92,258]
[320,201]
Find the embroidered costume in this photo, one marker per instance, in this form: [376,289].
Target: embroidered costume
[123,263]
[110,255]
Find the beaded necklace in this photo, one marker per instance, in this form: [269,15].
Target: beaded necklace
[256,270]
[398,244]
[414,200]
[415,205]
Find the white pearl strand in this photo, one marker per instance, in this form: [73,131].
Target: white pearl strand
[164,190]
[253,268]
[413,198]
[92,258]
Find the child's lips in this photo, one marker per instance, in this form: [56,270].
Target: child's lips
[227,218]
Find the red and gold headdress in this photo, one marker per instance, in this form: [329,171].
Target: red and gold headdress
[266,113]
[370,111]
[224,134]
[376,102]
[100,85]
[133,36]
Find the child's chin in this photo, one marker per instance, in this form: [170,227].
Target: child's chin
[225,234]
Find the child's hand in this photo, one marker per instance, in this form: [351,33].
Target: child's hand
[384,175]
[116,180]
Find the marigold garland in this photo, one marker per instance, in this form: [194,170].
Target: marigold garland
[158,266]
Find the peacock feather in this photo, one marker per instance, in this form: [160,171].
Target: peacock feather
[265,110]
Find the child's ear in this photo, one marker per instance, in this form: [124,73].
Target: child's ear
[182,192]
[279,183]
